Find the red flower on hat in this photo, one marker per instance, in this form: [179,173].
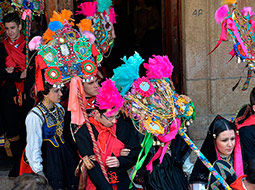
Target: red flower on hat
[89,67]
[53,75]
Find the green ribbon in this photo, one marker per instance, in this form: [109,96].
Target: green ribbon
[146,146]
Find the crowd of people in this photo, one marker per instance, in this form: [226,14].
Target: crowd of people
[97,147]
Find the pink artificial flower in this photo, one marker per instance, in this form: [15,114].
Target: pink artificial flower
[143,87]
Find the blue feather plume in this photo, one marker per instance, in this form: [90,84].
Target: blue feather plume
[127,73]
[103,5]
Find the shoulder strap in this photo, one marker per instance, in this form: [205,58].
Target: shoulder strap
[40,116]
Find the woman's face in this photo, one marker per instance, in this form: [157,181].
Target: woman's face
[225,142]
[54,95]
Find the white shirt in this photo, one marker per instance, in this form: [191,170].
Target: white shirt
[34,122]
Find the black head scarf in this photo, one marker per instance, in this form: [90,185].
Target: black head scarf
[200,172]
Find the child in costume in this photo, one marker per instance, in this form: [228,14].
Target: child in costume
[101,142]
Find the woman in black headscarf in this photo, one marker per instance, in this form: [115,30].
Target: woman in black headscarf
[222,148]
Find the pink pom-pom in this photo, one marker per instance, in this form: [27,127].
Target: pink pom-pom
[109,97]
[34,43]
[159,67]
[90,36]
[246,11]
[221,14]
[253,24]
[112,16]
[87,8]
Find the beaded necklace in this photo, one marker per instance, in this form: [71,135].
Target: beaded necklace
[59,129]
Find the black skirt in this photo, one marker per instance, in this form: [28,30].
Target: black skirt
[59,165]
[165,176]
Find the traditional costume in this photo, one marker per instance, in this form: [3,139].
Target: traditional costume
[65,56]
[110,141]
[46,151]
[229,168]
[11,90]
[156,111]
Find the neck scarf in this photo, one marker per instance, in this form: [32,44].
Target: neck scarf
[15,57]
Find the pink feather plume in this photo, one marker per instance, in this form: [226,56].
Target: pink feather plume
[112,16]
[90,36]
[109,97]
[247,10]
[221,14]
[159,67]
[87,8]
[34,43]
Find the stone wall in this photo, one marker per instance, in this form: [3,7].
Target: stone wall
[208,80]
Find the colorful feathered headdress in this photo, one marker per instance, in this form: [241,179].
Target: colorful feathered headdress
[102,16]
[66,53]
[240,26]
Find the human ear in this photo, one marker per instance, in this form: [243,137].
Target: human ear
[20,27]
[253,108]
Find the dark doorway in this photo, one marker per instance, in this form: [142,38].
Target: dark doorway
[150,27]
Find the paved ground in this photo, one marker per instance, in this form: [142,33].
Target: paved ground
[5,166]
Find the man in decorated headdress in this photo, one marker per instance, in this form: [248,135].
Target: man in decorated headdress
[12,73]
[101,141]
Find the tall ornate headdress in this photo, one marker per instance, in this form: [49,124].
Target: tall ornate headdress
[152,104]
[240,26]
[36,6]
[102,16]
[156,109]
[67,53]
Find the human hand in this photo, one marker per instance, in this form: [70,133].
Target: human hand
[9,69]
[125,152]
[23,74]
[112,162]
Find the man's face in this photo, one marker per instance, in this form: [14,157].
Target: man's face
[12,30]
[91,88]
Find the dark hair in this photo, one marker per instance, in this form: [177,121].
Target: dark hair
[250,171]
[200,172]
[12,17]
[219,125]
[252,97]
[40,94]
[31,182]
